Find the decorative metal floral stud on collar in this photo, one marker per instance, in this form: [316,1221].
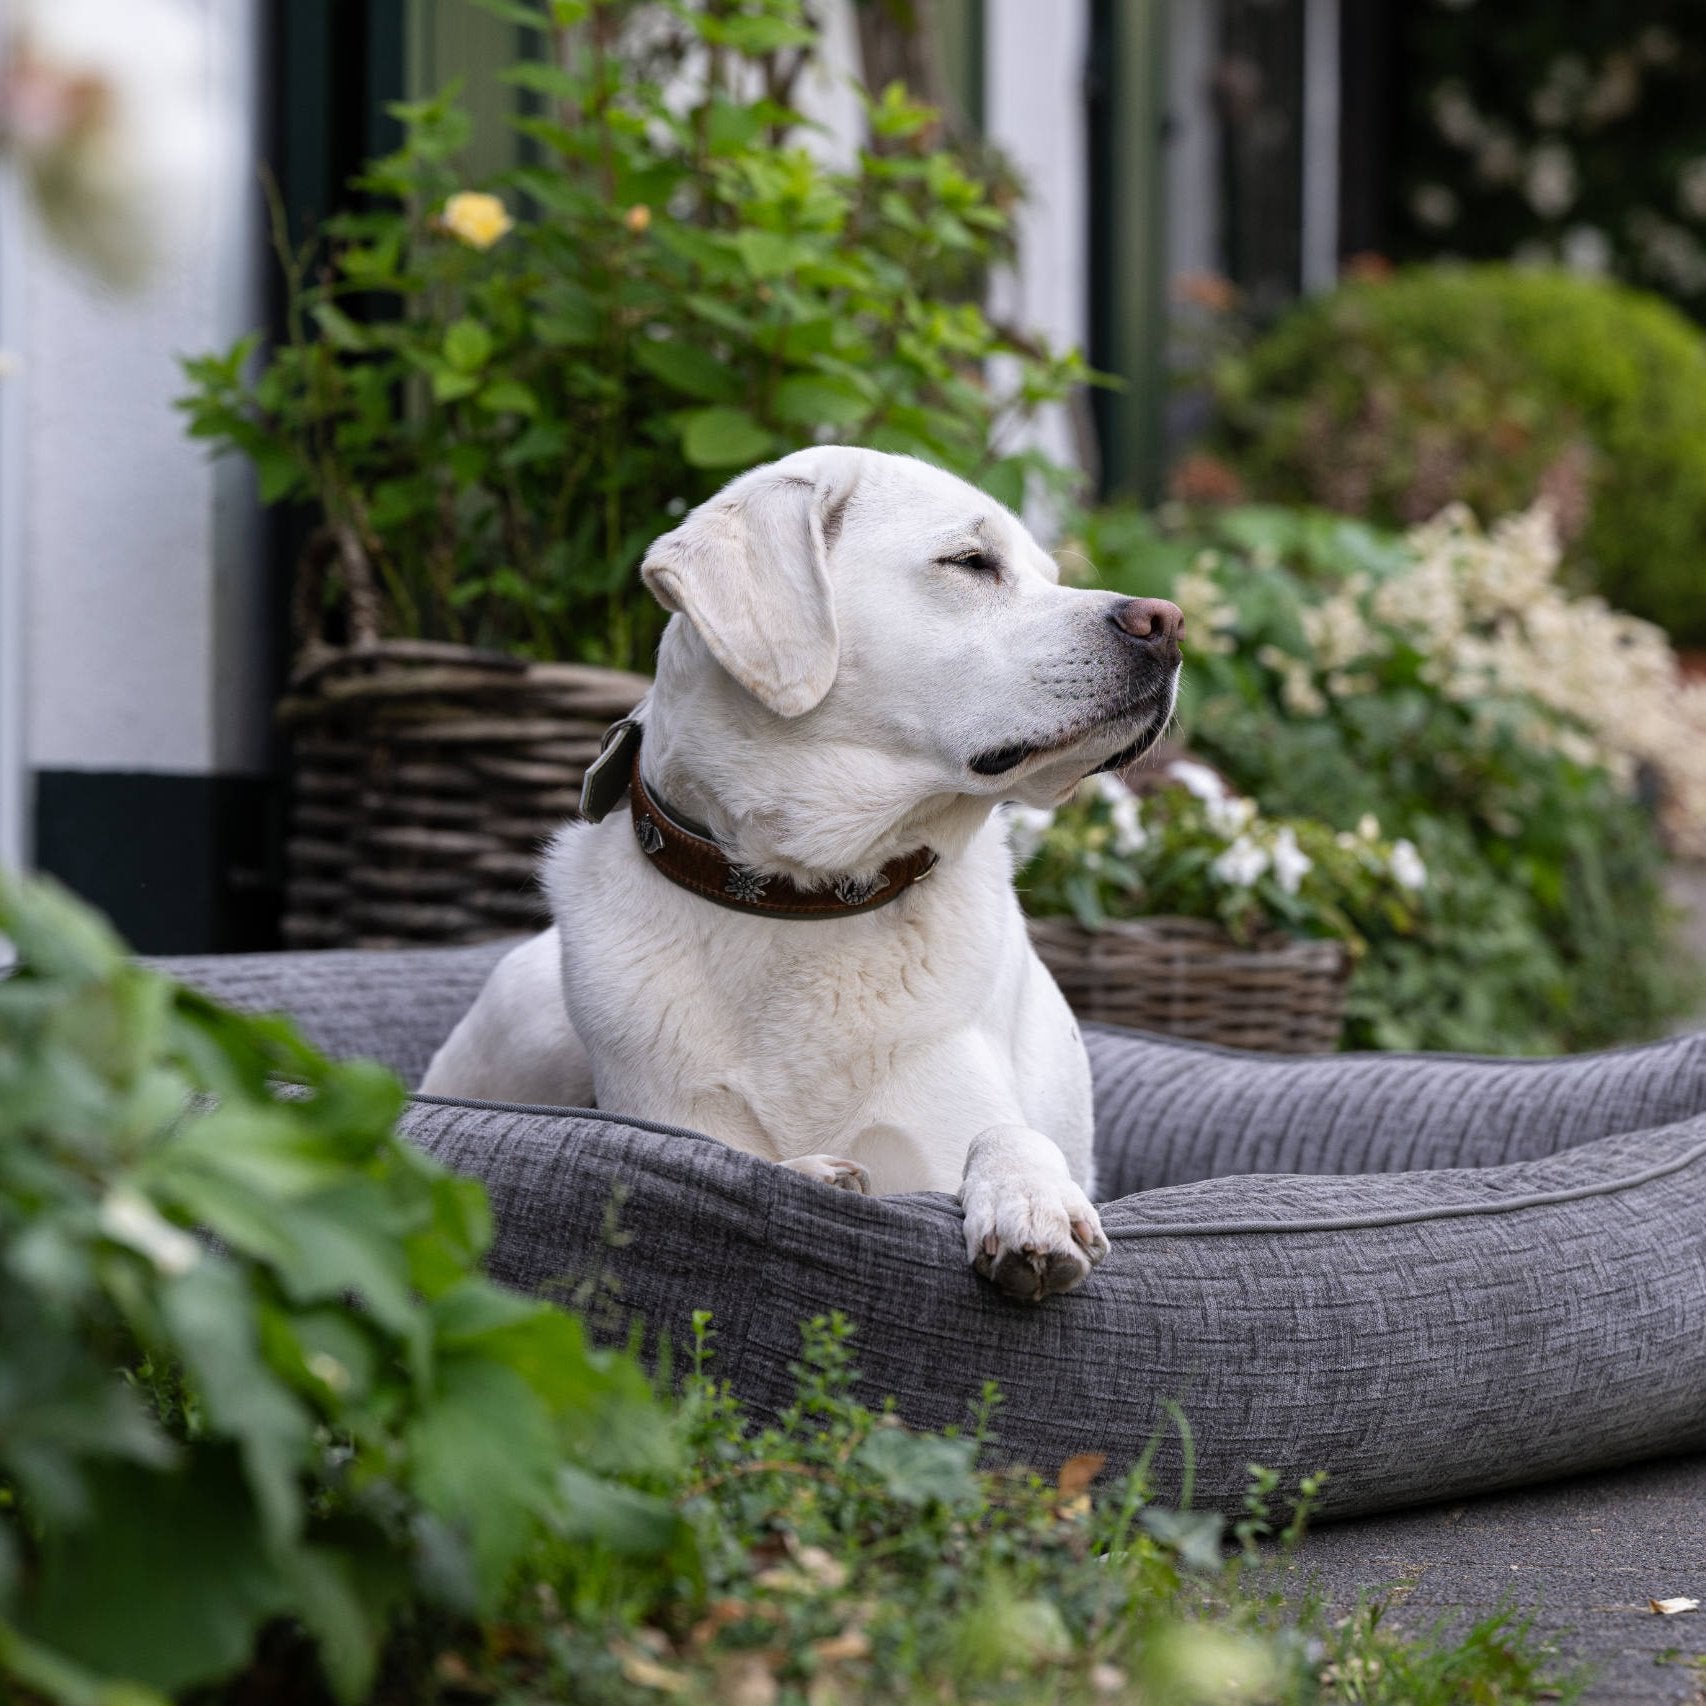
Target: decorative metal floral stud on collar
[745,885]
[859,891]
[696,862]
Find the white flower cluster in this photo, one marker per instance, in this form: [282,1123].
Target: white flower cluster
[1027,825]
[1338,632]
[1210,617]
[1249,854]
[1485,611]
[1125,813]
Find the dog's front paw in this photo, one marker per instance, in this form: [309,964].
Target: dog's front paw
[1030,1232]
[835,1171]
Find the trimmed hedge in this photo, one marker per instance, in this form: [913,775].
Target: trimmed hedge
[1492,385]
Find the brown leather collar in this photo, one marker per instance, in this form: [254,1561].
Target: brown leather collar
[697,863]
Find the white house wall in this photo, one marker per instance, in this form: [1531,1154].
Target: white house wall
[1034,71]
[145,649]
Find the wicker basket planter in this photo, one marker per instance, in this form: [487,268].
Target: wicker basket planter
[427,779]
[1188,978]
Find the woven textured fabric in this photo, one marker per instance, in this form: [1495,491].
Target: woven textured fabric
[1414,1358]
[1169,1111]
[1430,1276]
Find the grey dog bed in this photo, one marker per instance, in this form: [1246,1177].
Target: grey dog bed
[1428,1275]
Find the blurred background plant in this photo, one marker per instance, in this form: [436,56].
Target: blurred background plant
[502,393]
[1391,397]
[1444,685]
[1564,137]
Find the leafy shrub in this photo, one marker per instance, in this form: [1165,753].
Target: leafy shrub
[328,1415]
[1492,385]
[1197,850]
[676,289]
[1339,672]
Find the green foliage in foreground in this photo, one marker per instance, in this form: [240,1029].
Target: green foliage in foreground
[275,1450]
[224,1478]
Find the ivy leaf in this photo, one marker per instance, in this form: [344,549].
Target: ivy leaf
[722,438]
[687,367]
[810,399]
[339,328]
[756,35]
[467,345]
[509,397]
[485,1459]
[168,1588]
[448,386]
[1194,1535]
[922,1469]
[770,254]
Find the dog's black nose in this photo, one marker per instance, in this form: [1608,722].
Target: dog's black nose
[1152,619]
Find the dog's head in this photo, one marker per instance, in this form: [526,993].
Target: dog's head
[880,628]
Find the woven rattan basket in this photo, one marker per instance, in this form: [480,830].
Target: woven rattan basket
[427,777]
[1187,978]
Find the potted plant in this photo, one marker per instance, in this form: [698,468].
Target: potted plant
[494,396]
[1189,912]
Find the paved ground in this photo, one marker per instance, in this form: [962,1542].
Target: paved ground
[1687,887]
[1585,1556]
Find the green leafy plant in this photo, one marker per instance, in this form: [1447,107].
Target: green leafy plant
[1337,671]
[328,1413]
[850,1559]
[499,402]
[1493,386]
[1198,850]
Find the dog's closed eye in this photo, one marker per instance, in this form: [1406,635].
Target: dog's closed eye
[978,561]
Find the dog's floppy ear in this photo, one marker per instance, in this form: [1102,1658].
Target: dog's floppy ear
[750,570]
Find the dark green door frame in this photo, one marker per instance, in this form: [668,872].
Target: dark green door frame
[1127,104]
[336,65]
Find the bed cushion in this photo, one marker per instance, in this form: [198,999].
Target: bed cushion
[1430,1276]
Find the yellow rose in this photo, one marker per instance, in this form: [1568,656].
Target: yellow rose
[476,219]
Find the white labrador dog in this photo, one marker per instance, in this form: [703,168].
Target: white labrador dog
[867,656]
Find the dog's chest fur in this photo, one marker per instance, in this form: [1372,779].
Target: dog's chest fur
[783,1037]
